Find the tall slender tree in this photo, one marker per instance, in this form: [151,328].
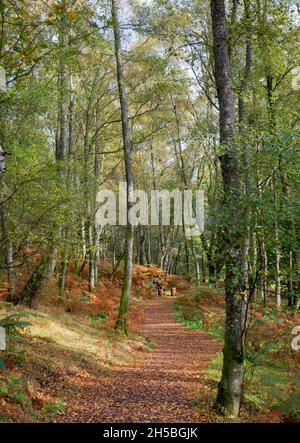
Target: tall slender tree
[127,281]
[230,387]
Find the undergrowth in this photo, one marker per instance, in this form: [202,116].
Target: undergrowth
[272,379]
[46,350]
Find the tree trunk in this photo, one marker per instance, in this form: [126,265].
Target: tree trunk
[291,300]
[230,386]
[90,245]
[121,323]
[174,268]
[142,244]
[62,274]
[197,266]
[52,262]
[277,269]
[9,255]
[264,272]
[148,248]
[161,229]
[61,151]
[203,269]
[272,120]
[34,282]
[62,139]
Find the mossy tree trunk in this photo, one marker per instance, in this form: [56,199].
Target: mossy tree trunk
[34,283]
[230,387]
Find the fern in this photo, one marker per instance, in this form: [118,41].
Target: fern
[13,325]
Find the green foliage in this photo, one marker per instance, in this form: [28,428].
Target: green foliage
[52,409]
[292,405]
[15,390]
[194,321]
[99,317]
[13,325]
[85,299]
[195,318]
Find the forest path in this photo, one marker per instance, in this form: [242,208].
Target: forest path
[158,386]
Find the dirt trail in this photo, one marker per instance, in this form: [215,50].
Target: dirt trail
[159,386]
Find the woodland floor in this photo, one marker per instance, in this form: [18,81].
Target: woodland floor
[158,386]
[74,367]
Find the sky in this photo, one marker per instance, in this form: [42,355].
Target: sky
[124,5]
